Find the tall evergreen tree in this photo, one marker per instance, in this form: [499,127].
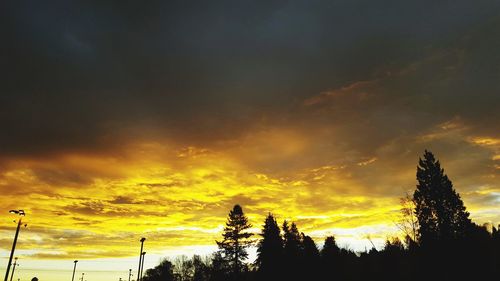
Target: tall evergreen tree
[309,259]
[310,250]
[292,251]
[293,241]
[440,212]
[236,239]
[331,258]
[270,248]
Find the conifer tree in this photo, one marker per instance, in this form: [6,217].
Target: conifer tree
[310,259]
[310,250]
[270,248]
[330,251]
[440,212]
[293,241]
[292,251]
[235,239]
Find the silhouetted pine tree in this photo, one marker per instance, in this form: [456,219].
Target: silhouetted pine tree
[292,251]
[440,212]
[330,251]
[235,241]
[330,255]
[292,243]
[392,257]
[310,258]
[270,249]
[310,250]
[334,259]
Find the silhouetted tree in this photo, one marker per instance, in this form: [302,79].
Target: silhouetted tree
[310,250]
[330,251]
[183,268]
[310,258]
[292,243]
[330,257]
[235,241]
[270,248]
[440,212]
[495,237]
[292,251]
[162,272]
[393,245]
[220,268]
[201,268]
[408,222]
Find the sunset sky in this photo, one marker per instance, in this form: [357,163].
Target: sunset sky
[126,120]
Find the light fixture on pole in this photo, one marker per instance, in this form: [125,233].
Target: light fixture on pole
[21,214]
[129,274]
[140,259]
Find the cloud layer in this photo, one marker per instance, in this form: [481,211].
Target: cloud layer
[120,120]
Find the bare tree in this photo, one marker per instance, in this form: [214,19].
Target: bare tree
[183,268]
[408,223]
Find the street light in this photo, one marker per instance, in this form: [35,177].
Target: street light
[14,268]
[83,273]
[21,214]
[74,269]
[140,259]
[129,274]
[142,265]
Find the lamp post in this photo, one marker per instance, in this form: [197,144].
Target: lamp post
[83,273]
[14,268]
[142,265]
[21,214]
[140,259]
[129,274]
[74,269]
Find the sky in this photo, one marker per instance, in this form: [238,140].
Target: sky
[123,119]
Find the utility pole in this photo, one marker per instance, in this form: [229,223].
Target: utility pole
[74,269]
[142,265]
[21,214]
[14,268]
[140,259]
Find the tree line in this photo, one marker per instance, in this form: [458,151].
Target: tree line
[440,243]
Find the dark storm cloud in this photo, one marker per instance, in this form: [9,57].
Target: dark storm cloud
[83,75]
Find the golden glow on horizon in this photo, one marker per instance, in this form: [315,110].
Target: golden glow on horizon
[94,206]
